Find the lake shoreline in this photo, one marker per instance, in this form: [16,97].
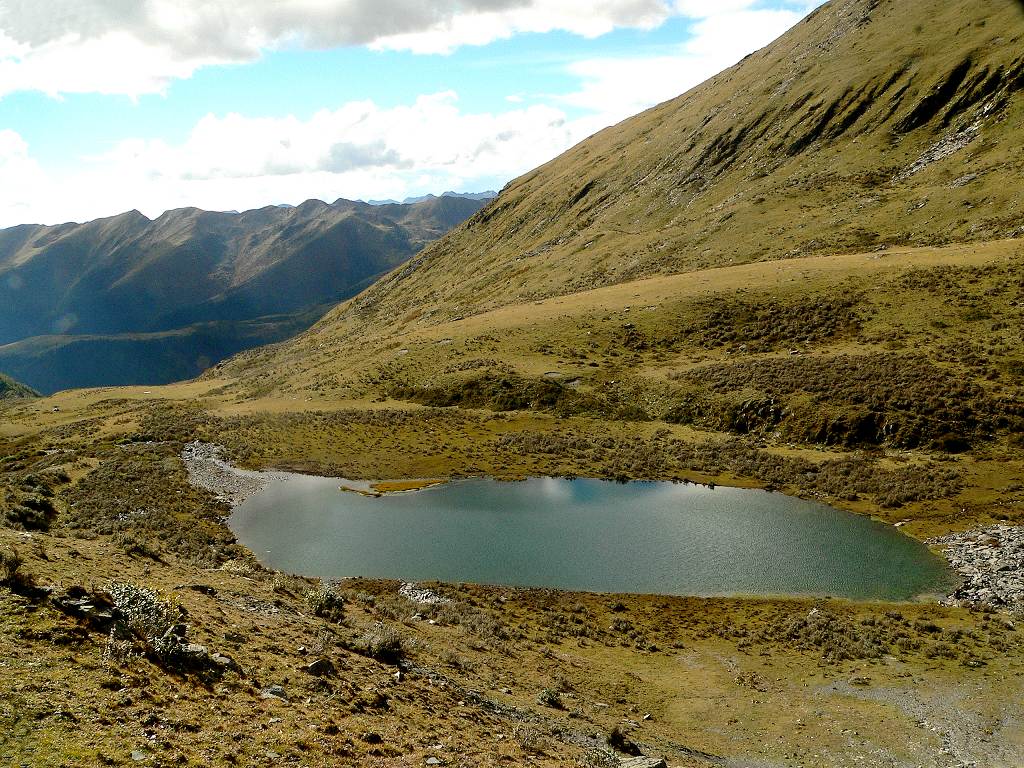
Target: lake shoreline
[588,535]
[965,553]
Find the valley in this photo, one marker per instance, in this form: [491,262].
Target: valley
[126,300]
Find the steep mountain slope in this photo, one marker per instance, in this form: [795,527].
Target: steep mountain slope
[79,285]
[871,123]
[887,129]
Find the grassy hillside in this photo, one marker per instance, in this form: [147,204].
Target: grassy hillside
[11,389]
[53,363]
[77,299]
[870,124]
[834,231]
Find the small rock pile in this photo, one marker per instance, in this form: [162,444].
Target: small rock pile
[421,595]
[139,620]
[991,562]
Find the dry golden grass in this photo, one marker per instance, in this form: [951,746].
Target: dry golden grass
[401,486]
[740,679]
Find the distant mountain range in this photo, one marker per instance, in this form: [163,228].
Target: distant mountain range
[129,300]
[483,196]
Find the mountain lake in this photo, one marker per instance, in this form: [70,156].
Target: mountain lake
[587,535]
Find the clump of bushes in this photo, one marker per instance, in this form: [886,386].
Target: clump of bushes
[550,698]
[143,610]
[31,512]
[142,493]
[497,392]
[133,544]
[11,575]
[765,323]
[384,643]
[620,742]
[847,477]
[325,601]
[529,738]
[850,400]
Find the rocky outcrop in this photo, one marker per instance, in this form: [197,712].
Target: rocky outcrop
[991,564]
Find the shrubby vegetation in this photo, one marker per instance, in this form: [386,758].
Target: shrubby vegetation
[845,478]
[903,400]
[144,610]
[384,643]
[141,493]
[767,323]
[326,602]
[11,574]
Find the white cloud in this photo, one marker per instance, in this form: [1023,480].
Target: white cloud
[357,151]
[617,87]
[24,183]
[588,18]
[134,47]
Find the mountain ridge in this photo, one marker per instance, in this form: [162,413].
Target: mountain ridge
[128,275]
[763,161]
[14,390]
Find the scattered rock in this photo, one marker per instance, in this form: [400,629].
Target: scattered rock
[991,564]
[203,589]
[224,662]
[416,594]
[319,668]
[208,471]
[274,692]
[97,610]
[941,149]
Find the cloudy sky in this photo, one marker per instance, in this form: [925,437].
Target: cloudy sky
[109,105]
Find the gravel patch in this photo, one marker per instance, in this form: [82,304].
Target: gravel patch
[206,469]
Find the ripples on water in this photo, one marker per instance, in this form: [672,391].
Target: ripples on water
[588,535]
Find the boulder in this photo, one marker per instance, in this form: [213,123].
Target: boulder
[274,692]
[224,662]
[319,668]
[96,610]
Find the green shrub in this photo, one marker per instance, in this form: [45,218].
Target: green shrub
[11,575]
[133,544]
[324,601]
[144,610]
[550,698]
[384,643]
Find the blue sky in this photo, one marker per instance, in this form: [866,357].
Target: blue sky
[109,105]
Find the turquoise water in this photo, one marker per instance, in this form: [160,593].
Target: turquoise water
[587,535]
